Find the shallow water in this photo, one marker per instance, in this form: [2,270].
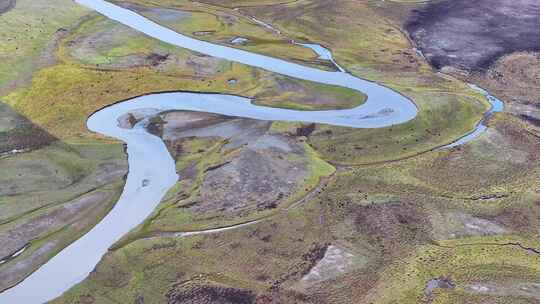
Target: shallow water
[496,106]
[151,167]
[323,53]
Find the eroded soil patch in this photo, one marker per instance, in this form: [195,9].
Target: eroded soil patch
[471,35]
[265,170]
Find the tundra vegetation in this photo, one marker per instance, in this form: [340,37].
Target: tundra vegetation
[310,213]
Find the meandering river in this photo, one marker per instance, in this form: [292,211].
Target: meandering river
[151,167]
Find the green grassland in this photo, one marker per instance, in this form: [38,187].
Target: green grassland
[221,25]
[254,257]
[73,89]
[91,63]
[393,217]
[28,32]
[53,174]
[405,219]
[37,184]
[372,47]
[41,173]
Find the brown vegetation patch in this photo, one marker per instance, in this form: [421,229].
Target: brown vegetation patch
[519,75]
[285,296]
[190,293]
[501,156]
[520,218]
[392,226]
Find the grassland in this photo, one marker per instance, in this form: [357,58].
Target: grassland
[222,25]
[84,82]
[51,195]
[75,67]
[43,177]
[204,258]
[381,54]
[403,228]
[29,32]
[466,214]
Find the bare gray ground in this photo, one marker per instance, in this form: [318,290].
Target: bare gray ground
[264,170]
[336,261]
[471,35]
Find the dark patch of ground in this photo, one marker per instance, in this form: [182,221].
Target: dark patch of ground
[209,294]
[18,133]
[305,130]
[533,120]
[309,260]
[6,5]
[471,35]
[523,219]
[287,296]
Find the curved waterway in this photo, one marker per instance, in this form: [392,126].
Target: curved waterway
[151,167]
[496,105]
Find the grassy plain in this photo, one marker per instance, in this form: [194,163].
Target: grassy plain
[371,48]
[403,227]
[73,67]
[466,214]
